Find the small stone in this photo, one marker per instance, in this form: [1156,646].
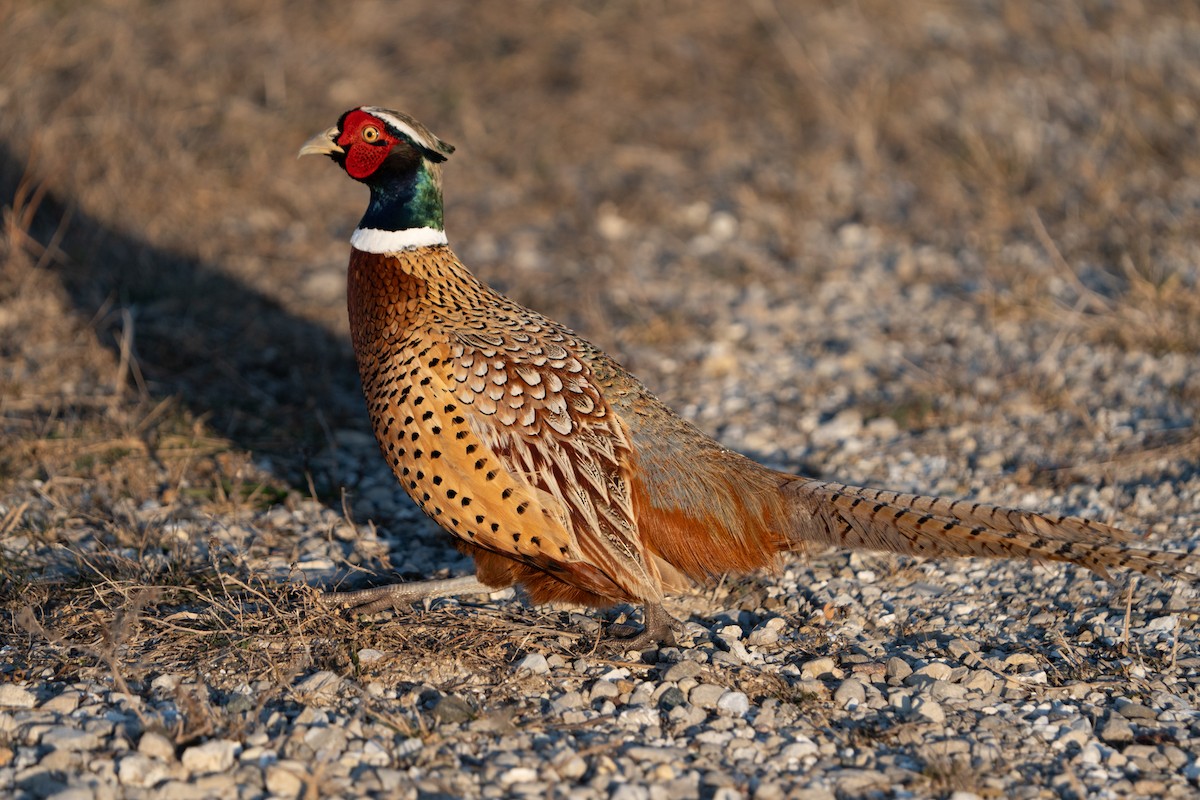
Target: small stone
[62,737]
[240,703]
[846,424]
[1074,736]
[629,791]
[319,688]
[638,717]
[43,783]
[960,648]
[452,710]
[1175,756]
[661,773]
[614,674]
[730,632]
[518,775]
[1167,623]
[155,745]
[857,782]
[850,693]
[657,755]
[929,709]
[566,702]
[706,695]
[818,668]
[1136,711]
[604,690]
[980,680]
[213,756]
[935,670]
[139,770]
[897,669]
[735,703]
[369,655]
[325,740]
[13,696]
[1141,756]
[671,698]
[769,791]
[74,793]
[572,768]
[813,793]
[375,753]
[803,747]
[63,703]
[684,669]
[165,683]
[944,690]
[1149,788]
[767,633]
[1116,730]
[1021,660]
[283,779]
[534,663]
[60,761]
[181,790]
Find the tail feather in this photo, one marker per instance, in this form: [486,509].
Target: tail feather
[860,518]
[984,515]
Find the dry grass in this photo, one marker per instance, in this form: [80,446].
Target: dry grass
[166,313]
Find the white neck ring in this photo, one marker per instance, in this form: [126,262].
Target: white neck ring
[374,240]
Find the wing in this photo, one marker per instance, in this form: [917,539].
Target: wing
[530,399]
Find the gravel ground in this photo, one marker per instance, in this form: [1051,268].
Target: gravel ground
[937,249]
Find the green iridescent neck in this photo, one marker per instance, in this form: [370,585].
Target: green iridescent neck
[406,200]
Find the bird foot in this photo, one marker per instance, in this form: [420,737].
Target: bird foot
[658,631]
[370,601]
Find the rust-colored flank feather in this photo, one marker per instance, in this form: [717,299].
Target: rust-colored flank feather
[558,471]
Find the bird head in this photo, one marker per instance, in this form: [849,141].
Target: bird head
[374,144]
[397,158]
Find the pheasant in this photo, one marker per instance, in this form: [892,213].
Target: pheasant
[558,471]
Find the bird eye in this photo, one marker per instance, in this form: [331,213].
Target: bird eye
[371,134]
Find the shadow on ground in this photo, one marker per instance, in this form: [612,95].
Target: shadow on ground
[271,382]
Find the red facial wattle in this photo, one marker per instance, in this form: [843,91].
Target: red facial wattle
[363,157]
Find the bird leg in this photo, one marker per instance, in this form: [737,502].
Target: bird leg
[368,601]
[658,630]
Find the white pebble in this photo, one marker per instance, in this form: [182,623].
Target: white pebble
[13,696]
[818,668]
[214,756]
[518,775]
[141,771]
[155,745]
[735,703]
[931,711]
[369,655]
[534,663]
[283,779]
[320,687]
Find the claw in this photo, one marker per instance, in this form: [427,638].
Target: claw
[658,631]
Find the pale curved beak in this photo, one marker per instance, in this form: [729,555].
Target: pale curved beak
[323,144]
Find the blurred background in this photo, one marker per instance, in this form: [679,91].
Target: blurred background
[777,213]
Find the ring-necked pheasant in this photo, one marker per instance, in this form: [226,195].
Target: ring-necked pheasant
[557,469]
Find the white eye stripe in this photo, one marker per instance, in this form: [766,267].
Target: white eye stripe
[374,240]
[395,122]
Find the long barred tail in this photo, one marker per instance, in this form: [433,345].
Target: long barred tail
[854,517]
